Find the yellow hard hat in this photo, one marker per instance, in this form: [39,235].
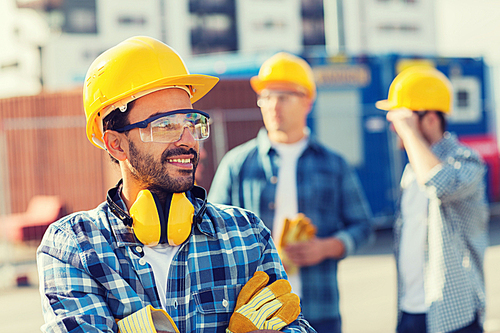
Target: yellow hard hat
[134,68]
[287,69]
[419,88]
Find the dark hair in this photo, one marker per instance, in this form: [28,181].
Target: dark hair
[117,119]
[443,120]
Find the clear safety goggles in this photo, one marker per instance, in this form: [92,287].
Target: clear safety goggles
[168,127]
[284,97]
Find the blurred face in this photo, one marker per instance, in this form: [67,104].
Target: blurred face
[162,166]
[284,109]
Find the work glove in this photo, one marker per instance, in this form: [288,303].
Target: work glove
[147,320]
[295,231]
[264,308]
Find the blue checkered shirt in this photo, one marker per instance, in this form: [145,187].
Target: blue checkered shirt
[329,193]
[457,224]
[92,272]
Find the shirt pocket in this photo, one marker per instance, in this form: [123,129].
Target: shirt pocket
[216,304]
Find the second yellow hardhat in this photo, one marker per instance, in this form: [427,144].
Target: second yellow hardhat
[419,88]
[129,70]
[285,68]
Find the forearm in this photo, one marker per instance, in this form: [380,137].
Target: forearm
[71,300]
[420,155]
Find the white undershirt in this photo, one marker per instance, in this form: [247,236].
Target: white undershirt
[414,207]
[286,202]
[160,257]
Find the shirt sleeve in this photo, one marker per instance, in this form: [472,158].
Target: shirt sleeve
[72,301]
[356,213]
[220,190]
[456,178]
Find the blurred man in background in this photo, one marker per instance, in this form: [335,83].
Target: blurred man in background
[441,231]
[285,171]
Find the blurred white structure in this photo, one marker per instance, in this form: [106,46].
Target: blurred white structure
[385,26]
[265,25]
[90,27]
[22,32]
[82,29]
[87,27]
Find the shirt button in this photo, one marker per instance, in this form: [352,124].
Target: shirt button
[225,303]
[142,261]
[271,205]
[174,304]
[138,249]
[466,262]
[274,180]
[457,165]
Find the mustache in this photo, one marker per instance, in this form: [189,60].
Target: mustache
[178,151]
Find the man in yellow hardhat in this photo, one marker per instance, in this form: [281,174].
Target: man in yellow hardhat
[284,172]
[441,230]
[156,246]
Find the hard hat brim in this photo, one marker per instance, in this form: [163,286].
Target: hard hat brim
[258,85]
[385,105]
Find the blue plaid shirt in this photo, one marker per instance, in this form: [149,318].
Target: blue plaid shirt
[329,193]
[92,272]
[457,237]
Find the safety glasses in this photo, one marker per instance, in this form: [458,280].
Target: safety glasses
[168,127]
[284,97]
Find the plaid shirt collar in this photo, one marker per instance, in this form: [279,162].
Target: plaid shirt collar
[125,235]
[442,147]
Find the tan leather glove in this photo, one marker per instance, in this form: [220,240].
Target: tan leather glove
[295,231]
[147,320]
[264,308]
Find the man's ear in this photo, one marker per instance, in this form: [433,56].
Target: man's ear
[116,144]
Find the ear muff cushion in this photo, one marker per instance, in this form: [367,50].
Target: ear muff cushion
[147,215]
[180,218]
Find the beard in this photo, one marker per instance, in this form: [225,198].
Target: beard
[154,176]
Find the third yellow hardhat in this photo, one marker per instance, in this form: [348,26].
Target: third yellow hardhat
[419,88]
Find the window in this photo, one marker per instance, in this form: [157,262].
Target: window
[79,16]
[130,20]
[462,98]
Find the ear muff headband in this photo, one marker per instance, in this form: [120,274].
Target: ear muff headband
[152,224]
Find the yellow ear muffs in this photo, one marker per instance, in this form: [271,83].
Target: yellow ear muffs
[180,218]
[153,225]
[146,218]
